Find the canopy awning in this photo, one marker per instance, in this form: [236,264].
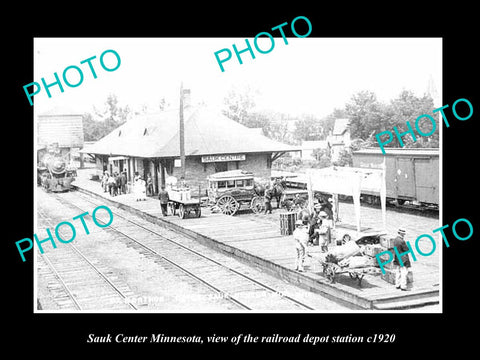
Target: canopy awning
[351,182]
[114,158]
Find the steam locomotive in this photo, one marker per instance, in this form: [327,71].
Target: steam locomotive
[53,173]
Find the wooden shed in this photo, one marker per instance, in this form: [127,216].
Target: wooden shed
[60,127]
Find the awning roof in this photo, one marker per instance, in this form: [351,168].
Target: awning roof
[232,174]
[350,181]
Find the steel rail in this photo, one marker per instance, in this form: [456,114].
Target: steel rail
[82,256]
[297,302]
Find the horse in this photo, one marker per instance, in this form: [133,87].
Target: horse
[259,189]
[277,192]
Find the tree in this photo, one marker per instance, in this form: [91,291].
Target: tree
[328,122]
[408,107]
[162,104]
[309,128]
[345,158]
[239,106]
[366,114]
[92,130]
[369,117]
[276,127]
[102,122]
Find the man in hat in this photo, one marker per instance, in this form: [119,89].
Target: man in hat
[323,231]
[298,202]
[105,181]
[164,198]
[268,200]
[401,272]
[327,206]
[300,234]
[123,182]
[314,224]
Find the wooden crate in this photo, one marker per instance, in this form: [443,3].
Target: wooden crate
[287,223]
[373,249]
[389,276]
[387,241]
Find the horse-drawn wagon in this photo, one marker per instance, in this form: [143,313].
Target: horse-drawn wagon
[230,191]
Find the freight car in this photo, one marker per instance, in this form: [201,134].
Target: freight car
[411,174]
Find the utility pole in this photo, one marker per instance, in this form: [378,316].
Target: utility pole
[182,132]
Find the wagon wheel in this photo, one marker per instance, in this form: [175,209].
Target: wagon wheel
[360,278]
[257,205]
[181,211]
[171,205]
[198,212]
[329,272]
[346,238]
[228,205]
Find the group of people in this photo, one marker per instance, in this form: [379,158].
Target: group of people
[115,183]
[316,230]
[313,229]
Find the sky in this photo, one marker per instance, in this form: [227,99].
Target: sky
[309,75]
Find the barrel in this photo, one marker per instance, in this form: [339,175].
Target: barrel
[287,223]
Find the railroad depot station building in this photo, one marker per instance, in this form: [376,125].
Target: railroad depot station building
[150,144]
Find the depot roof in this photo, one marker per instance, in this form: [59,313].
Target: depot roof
[207,132]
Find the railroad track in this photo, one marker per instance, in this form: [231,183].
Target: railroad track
[167,249]
[75,282]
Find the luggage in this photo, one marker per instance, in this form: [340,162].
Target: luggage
[358,262]
[387,241]
[373,249]
[343,251]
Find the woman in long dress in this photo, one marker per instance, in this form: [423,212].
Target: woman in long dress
[139,189]
[143,189]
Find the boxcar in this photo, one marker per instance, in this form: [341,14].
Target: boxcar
[411,174]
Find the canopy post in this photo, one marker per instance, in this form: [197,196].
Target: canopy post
[310,192]
[356,185]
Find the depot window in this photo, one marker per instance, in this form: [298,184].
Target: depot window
[220,166]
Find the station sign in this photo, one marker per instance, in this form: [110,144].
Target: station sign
[224,157]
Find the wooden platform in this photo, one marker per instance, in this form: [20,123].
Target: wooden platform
[256,239]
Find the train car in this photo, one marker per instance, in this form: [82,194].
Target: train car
[411,174]
[53,173]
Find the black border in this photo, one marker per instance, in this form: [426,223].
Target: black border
[422,332]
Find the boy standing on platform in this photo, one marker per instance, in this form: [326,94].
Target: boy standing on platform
[163,197]
[300,234]
[401,272]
